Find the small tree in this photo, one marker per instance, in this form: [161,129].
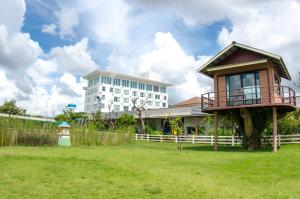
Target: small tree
[138,109]
[98,121]
[125,121]
[10,107]
[176,128]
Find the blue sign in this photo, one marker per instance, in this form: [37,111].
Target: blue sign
[72,106]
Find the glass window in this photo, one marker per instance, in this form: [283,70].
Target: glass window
[103,88]
[126,108]
[156,88]
[134,93]
[126,100]
[141,86]
[103,97]
[125,83]
[164,105]
[96,80]
[150,95]
[117,82]
[126,92]
[106,80]
[133,84]
[90,82]
[117,107]
[150,103]
[157,96]
[116,99]
[149,87]
[142,94]
[157,104]
[163,89]
[117,90]
[165,97]
[111,90]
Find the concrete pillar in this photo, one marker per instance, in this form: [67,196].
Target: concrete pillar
[274,129]
[216,131]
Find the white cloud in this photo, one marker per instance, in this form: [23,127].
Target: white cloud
[73,58]
[49,29]
[67,19]
[12,15]
[176,67]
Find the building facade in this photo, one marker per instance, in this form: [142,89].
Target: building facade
[115,92]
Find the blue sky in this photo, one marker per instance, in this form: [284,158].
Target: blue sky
[47,46]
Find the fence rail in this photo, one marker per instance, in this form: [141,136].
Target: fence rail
[222,140]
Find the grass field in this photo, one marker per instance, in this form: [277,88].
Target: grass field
[148,170]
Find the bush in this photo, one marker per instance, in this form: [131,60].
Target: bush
[126,120]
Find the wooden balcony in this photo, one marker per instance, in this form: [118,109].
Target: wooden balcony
[279,96]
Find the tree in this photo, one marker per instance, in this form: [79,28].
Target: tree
[10,107]
[176,128]
[126,120]
[80,118]
[98,121]
[138,109]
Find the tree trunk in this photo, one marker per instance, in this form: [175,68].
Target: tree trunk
[251,138]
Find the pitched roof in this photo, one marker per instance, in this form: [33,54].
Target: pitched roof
[189,102]
[233,47]
[64,125]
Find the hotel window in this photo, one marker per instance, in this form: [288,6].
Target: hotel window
[141,86]
[142,102]
[125,83]
[148,87]
[156,88]
[102,105]
[117,82]
[87,107]
[150,95]
[111,90]
[126,108]
[106,80]
[163,89]
[103,88]
[116,99]
[150,103]
[134,93]
[126,92]
[117,107]
[133,84]
[126,100]
[142,94]
[117,90]
[96,80]
[165,97]
[157,96]
[103,97]
[164,105]
[90,82]
[95,106]
[157,104]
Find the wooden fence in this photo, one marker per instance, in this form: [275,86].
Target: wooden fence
[222,140]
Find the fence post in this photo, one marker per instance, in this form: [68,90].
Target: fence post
[136,137]
[148,137]
[279,140]
[232,140]
[211,140]
[193,139]
[176,139]
[160,138]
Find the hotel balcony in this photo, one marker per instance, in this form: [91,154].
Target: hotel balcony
[282,97]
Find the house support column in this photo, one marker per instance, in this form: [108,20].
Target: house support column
[196,125]
[274,129]
[216,131]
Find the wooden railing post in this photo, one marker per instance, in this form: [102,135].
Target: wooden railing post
[232,140]
[161,138]
[211,140]
[148,137]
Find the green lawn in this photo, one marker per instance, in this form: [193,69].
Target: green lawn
[148,170]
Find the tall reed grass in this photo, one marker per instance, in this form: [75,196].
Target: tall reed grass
[14,132]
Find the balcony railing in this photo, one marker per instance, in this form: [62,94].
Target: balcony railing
[249,97]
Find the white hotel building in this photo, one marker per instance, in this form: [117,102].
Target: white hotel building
[109,91]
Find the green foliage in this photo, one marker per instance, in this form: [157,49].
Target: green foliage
[126,120]
[176,125]
[10,107]
[152,131]
[290,124]
[98,121]
[74,118]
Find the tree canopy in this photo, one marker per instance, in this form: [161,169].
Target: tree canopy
[10,107]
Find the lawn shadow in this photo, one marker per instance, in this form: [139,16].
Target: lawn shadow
[223,148]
